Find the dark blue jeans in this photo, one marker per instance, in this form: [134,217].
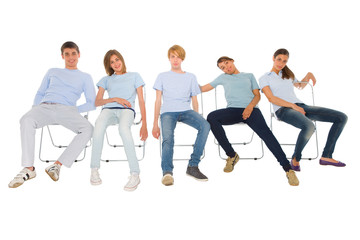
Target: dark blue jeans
[256,122]
[307,127]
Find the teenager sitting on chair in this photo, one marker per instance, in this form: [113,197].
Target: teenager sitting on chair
[122,87]
[278,86]
[178,89]
[242,96]
[55,103]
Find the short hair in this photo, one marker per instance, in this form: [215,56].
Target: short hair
[178,50]
[69,44]
[223,59]
[107,64]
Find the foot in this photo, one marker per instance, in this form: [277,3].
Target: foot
[195,173]
[293,180]
[167,179]
[295,165]
[95,177]
[331,162]
[53,171]
[134,181]
[24,175]
[230,163]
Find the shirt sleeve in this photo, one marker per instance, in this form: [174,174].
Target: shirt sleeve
[89,92]
[42,89]
[217,81]
[264,81]
[103,82]
[138,81]
[158,83]
[195,89]
[254,83]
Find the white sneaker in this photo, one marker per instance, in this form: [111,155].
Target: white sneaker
[134,181]
[23,176]
[95,177]
[53,171]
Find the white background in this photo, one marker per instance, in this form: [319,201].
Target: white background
[255,200]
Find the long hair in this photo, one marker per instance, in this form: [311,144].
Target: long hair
[286,72]
[107,64]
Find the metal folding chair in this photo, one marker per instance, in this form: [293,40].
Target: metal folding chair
[234,134]
[184,134]
[56,145]
[291,131]
[114,140]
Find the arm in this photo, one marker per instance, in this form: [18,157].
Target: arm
[248,110]
[143,130]
[206,88]
[42,89]
[100,101]
[309,76]
[89,93]
[156,129]
[195,104]
[280,102]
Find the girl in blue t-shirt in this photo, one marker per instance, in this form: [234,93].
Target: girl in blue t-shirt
[242,96]
[278,86]
[122,88]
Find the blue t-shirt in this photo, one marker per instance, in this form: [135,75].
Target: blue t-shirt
[121,86]
[238,88]
[281,88]
[177,90]
[65,86]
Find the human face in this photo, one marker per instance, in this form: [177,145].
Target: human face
[175,61]
[71,57]
[280,62]
[116,64]
[228,67]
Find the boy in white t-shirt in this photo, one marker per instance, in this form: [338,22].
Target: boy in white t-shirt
[177,89]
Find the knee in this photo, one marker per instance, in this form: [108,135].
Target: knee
[211,118]
[343,118]
[309,128]
[206,126]
[87,129]
[27,121]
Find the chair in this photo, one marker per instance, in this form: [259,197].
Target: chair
[233,138]
[114,140]
[186,134]
[292,131]
[59,146]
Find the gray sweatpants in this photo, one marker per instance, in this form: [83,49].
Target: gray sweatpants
[46,114]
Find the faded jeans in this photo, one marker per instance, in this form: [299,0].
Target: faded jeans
[307,127]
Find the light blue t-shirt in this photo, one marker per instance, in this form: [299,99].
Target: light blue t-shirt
[177,90]
[65,86]
[121,86]
[238,88]
[281,88]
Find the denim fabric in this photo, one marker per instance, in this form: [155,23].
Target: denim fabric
[125,119]
[168,124]
[307,127]
[256,122]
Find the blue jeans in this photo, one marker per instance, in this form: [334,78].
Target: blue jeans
[256,121]
[125,119]
[307,127]
[168,124]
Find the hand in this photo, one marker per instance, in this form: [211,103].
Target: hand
[247,112]
[123,102]
[156,132]
[143,133]
[299,109]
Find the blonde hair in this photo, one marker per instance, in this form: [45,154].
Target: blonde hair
[107,64]
[178,50]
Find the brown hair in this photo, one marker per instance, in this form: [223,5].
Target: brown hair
[223,59]
[69,44]
[177,49]
[286,72]
[107,64]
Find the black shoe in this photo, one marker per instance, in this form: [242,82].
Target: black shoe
[195,173]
